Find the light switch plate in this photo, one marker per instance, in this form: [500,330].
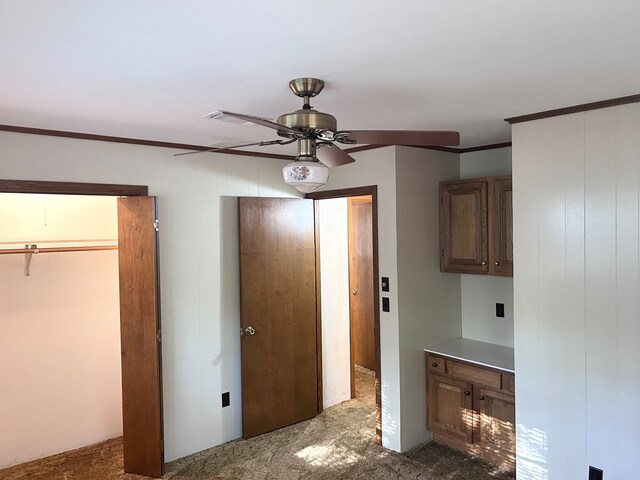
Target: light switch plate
[385,304]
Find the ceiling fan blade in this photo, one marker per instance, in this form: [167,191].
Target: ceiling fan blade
[332,155]
[422,138]
[265,122]
[231,147]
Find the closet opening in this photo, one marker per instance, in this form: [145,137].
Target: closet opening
[79,323]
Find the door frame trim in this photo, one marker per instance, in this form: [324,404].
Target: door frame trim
[343,193]
[95,189]
[72,188]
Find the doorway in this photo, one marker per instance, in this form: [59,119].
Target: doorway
[281,309]
[136,291]
[348,294]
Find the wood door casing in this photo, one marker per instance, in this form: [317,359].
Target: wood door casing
[450,407]
[278,300]
[496,425]
[501,224]
[140,337]
[464,226]
[361,286]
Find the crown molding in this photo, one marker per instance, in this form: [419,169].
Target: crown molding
[585,107]
[186,146]
[134,141]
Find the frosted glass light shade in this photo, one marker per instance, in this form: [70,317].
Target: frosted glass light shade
[305,176]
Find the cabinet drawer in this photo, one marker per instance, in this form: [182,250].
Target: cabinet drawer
[474,374]
[436,364]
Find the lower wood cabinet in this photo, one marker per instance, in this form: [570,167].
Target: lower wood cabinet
[472,408]
[451,411]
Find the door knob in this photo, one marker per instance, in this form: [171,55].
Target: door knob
[467,393]
[250,330]
[496,263]
[482,397]
[354,292]
[483,263]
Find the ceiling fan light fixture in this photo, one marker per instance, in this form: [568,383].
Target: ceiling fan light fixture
[306,175]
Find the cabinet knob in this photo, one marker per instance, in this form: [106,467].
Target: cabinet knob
[483,263]
[434,364]
[496,263]
[467,393]
[482,397]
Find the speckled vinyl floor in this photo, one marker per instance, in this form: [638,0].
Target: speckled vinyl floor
[338,444]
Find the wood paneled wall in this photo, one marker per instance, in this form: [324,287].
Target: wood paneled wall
[576,290]
[199,262]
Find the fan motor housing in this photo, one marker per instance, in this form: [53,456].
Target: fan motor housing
[308,121]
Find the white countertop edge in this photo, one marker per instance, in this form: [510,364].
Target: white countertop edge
[437,349]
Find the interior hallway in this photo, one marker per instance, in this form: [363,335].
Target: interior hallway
[338,444]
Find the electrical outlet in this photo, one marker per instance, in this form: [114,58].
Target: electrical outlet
[595,473]
[500,310]
[385,284]
[226,400]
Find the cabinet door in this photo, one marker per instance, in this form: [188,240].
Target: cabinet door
[449,409]
[463,226]
[501,213]
[496,429]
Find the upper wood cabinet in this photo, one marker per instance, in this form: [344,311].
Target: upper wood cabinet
[463,226]
[476,226]
[501,226]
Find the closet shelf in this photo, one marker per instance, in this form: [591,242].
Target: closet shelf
[30,250]
[9,251]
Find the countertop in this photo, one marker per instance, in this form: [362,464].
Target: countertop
[480,353]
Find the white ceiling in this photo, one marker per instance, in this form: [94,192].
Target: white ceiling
[150,68]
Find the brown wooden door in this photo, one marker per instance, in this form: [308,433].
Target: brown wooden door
[496,420]
[464,226]
[278,298]
[450,404]
[501,213]
[361,282]
[140,336]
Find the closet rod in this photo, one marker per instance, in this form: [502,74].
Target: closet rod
[9,251]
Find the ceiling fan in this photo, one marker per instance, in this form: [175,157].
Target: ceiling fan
[317,135]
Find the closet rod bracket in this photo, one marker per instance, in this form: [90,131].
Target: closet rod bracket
[27,258]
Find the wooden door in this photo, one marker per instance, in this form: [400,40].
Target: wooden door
[501,224]
[361,282]
[450,404]
[496,420]
[140,336]
[464,226]
[278,298]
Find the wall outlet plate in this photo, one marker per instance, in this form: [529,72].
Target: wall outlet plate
[226,400]
[500,310]
[595,473]
[385,284]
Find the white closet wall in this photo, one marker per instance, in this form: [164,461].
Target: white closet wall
[60,383]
